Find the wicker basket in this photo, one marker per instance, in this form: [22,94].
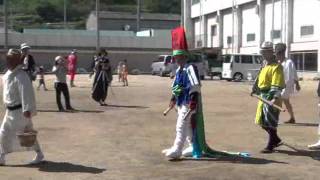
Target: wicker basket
[27,139]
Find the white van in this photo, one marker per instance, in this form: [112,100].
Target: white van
[236,66]
[162,65]
[201,63]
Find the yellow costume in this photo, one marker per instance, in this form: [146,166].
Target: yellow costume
[270,84]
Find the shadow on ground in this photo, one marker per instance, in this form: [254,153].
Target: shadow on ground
[123,106]
[64,167]
[75,111]
[301,124]
[300,152]
[240,160]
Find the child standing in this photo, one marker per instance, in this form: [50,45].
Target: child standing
[41,79]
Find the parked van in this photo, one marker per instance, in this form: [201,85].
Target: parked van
[201,63]
[162,65]
[236,66]
[212,64]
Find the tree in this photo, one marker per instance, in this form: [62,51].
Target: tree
[163,6]
[48,12]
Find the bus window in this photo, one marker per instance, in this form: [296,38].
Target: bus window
[246,59]
[168,60]
[258,59]
[226,58]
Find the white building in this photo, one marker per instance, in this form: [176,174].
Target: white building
[240,26]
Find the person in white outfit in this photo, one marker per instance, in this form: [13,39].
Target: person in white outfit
[291,79]
[19,100]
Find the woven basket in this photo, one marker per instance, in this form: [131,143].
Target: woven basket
[27,139]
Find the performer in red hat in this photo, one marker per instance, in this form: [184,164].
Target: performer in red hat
[186,96]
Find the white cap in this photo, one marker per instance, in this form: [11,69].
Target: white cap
[24,46]
[266,46]
[58,58]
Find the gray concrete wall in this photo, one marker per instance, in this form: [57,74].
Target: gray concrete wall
[79,41]
[136,59]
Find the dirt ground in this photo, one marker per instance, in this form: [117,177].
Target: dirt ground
[124,140]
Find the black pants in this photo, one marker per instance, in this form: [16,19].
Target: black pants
[62,87]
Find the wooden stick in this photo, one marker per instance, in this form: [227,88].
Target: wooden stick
[269,103]
[167,110]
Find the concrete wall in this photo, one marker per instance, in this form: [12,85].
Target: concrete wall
[136,59]
[139,51]
[250,25]
[78,41]
[305,14]
[212,41]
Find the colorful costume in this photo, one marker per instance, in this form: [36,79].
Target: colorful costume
[72,67]
[270,85]
[186,90]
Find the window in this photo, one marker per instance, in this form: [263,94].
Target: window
[195,1]
[311,61]
[229,40]
[306,30]
[168,60]
[237,59]
[275,34]
[246,59]
[160,59]
[214,30]
[226,58]
[258,59]
[305,61]
[251,37]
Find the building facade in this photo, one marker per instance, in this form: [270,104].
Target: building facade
[240,26]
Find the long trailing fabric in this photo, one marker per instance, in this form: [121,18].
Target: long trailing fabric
[270,83]
[102,79]
[199,143]
[186,88]
[100,86]
[17,90]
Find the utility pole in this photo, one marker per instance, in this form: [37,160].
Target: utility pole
[98,24]
[138,14]
[65,14]
[272,29]
[5,11]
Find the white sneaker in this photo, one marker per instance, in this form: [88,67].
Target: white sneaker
[2,160]
[37,159]
[165,151]
[173,154]
[187,152]
[314,146]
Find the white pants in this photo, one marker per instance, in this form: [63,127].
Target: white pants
[183,129]
[14,123]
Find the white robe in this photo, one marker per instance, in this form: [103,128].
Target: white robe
[17,89]
[290,76]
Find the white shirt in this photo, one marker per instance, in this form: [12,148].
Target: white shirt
[18,89]
[290,76]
